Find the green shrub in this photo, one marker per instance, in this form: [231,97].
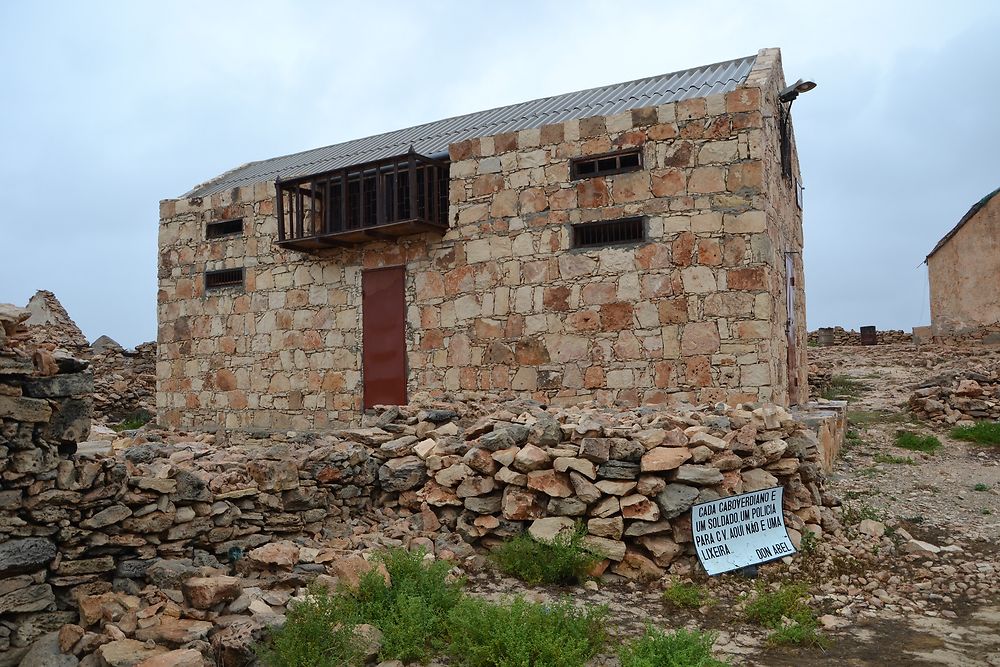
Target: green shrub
[563,561]
[981,487]
[681,648]
[312,636]
[843,387]
[889,458]
[134,420]
[412,612]
[809,543]
[785,611]
[984,433]
[686,595]
[524,634]
[855,514]
[917,443]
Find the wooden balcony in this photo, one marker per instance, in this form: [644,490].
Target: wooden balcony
[387,199]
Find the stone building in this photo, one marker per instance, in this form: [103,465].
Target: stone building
[964,274]
[639,242]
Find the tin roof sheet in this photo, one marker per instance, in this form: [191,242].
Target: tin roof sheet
[433,138]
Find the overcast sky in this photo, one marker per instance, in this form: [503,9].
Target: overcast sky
[108,107]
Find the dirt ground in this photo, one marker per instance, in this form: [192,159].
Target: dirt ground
[878,605]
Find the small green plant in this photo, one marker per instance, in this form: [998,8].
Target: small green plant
[987,511]
[681,648]
[843,387]
[785,611]
[809,543]
[518,633]
[869,472]
[917,443]
[983,433]
[690,596]
[563,561]
[134,420]
[981,487]
[889,458]
[855,514]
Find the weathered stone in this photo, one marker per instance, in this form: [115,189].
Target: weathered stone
[475,486]
[550,482]
[597,450]
[567,507]
[29,599]
[531,458]
[45,652]
[757,479]
[584,489]
[660,459]
[402,474]
[127,652]
[207,592]
[491,504]
[107,517]
[615,488]
[697,474]
[676,499]
[611,528]
[520,504]
[548,529]
[27,555]
[639,508]
[634,565]
[453,475]
[582,466]
[618,470]
[58,386]
[174,632]
[602,546]
[186,657]
[22,409]
[282,554]
[350,569]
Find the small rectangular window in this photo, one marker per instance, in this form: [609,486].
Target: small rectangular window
[606,164]
[609,232]
[214,230]
[223,278]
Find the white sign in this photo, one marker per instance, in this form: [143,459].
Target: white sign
[734,532]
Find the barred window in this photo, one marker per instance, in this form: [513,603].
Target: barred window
[223,278]
[214,230]
[609,232]
[605,164]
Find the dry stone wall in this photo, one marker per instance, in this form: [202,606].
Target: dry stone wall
[501,303]
[841,336]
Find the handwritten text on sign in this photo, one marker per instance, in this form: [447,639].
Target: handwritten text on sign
[742,530]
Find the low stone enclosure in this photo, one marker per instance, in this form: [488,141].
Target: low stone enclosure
[841,336]
[83,532]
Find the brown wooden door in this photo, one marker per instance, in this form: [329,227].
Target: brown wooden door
[383,336]
[793,348]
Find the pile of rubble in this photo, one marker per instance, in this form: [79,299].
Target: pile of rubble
[820,377]
[965,397]
[124,381]
[841,336]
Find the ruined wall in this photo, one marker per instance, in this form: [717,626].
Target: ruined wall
[500,302]
[965,291]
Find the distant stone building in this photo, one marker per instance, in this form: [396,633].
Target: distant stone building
[639,242]
[964,274]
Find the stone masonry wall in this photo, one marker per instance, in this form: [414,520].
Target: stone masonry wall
[500,303]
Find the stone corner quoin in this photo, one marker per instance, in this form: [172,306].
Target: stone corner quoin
[501,302]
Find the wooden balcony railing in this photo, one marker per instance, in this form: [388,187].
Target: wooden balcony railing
[386,199]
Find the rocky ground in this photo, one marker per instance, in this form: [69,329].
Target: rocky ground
[908,577]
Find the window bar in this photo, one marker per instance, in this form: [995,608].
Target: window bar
[343,200]
[299,206]
[281,211]
[395,190]
[312,209]
[325,227]
[413,184]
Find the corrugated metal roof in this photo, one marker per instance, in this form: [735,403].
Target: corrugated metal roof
[978,206]
[433,138]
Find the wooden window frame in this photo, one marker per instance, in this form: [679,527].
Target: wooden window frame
[612,164]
